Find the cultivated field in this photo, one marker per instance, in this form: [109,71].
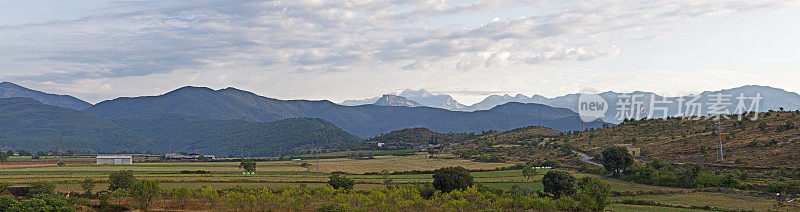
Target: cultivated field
[291,173]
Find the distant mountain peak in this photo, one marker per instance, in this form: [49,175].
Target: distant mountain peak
[394,100]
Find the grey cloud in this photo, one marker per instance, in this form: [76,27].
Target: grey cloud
[143,38]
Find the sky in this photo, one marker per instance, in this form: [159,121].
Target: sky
[338,50]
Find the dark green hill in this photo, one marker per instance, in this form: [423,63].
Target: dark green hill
[31,125]
[363,121]
[240,138]
[408,138]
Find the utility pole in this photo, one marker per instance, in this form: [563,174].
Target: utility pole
[720,155]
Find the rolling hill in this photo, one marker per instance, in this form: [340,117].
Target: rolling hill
[771,141]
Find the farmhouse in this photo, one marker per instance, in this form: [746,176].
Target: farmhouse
[633,150]
[114,159]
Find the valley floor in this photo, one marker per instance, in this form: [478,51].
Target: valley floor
[628,196]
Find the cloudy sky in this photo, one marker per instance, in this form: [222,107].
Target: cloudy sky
[339,50]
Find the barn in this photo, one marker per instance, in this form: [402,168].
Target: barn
[114,159]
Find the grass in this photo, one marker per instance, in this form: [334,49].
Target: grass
[637,208]
[719,200]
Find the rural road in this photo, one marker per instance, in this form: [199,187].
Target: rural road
[586,158]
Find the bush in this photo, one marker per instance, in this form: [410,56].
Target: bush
[594,193]
[340,181]
[42,187]
[451,178]
[194,172]
[121,180]
[41,202]
[559,183]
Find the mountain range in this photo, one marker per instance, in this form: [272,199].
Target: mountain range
[772,99]
[27,124]
[233,121]
[363,121]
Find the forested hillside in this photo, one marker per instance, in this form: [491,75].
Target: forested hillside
[240,138]
[26,124]
[411,137]
[31,125]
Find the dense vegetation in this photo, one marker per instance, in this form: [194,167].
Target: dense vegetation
[241,138]
[419,136]
[28,124]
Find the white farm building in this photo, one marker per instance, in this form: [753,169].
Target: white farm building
[114,159]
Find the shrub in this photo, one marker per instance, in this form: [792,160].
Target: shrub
[565,204]
[559,183]
[121,180]
[451,178]
[42,202]
[594,193]
[340,181]
[194,172]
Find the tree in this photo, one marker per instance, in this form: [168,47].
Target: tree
[10,153]
[3,157]
[87,185]
[121,179]
[339,181]
[451,178]
[559,183]
[248,165]
[42,187]
[182,195]
[143,192]
[594,193]
[529,171]
[617,159]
